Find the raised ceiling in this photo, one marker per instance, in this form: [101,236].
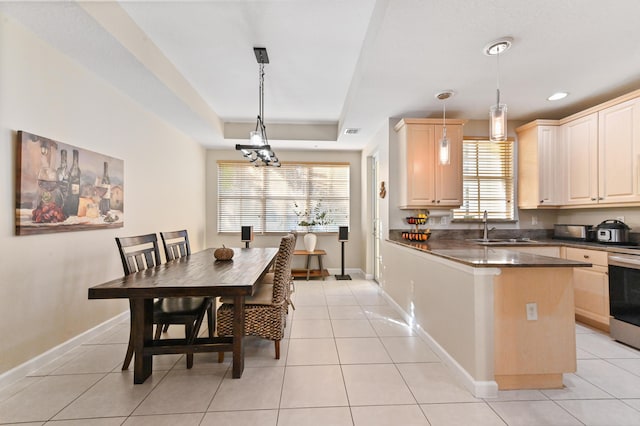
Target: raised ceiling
[338,64]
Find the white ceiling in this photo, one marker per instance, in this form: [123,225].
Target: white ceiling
[337,64]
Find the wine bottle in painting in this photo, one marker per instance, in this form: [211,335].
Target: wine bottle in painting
[73,191]
[63,173]
[105,201]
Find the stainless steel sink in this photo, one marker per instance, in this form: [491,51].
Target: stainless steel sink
[502,241]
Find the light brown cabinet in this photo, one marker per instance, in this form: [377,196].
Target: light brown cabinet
[588,159]
[580,139]
[602,155]
[591,287]
[538,159]
[424,182]
[618,153]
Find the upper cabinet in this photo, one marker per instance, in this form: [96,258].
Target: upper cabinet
[618,152]
[580,139]
[538,172]
[595,158]
[424,181]
[602,150]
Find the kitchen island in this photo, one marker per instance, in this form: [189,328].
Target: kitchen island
[500,318]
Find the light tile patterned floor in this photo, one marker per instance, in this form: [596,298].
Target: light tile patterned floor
[348,360]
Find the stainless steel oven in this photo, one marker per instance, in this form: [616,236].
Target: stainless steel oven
[624,298]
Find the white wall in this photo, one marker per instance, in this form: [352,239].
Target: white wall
[43,291]
[354,248]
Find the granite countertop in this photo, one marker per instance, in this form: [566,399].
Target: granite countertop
[473,254]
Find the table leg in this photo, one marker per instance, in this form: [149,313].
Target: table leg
[238,337]
[142,320]
[308,265]
[320,265]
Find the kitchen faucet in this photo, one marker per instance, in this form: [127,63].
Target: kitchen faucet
[485,233]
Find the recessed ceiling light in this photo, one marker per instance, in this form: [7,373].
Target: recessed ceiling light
[445,94]
[498,46]
[557,96]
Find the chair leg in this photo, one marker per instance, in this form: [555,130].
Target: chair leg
[158,332]
[165,328]
[277,343]
[129,354]
[220,357]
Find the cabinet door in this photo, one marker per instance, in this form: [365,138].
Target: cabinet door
[591,293]
[580,139]
[448,178]
[420,164]
[549,156]
[618,151]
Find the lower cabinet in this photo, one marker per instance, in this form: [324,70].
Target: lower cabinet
[591,287]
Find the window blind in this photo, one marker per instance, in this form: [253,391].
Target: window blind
[266,197]
[487,175]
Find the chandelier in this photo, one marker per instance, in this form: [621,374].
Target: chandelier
[258,151]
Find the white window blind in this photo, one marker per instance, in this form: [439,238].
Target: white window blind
[266,197]
[487,174]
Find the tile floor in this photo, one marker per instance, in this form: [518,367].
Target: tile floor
[348,359]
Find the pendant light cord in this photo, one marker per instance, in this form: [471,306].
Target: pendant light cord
[498,80]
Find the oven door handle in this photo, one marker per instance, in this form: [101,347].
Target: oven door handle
[624,261]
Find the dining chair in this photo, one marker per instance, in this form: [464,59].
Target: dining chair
[139,253]
[266,310]
[176,245]
[291,288]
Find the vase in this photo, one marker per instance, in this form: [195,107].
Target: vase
[310,240]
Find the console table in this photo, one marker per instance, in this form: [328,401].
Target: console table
[308,272]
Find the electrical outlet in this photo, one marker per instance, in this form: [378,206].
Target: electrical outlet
[620,218]
[444,220]
[534,220]
[532,311]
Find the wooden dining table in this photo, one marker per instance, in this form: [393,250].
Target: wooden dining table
[195,275]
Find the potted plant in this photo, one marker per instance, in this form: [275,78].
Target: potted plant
[309,219]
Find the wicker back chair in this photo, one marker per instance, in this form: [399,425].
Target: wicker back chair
[266,310]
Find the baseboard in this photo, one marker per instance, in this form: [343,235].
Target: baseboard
[479,389]
[34,364]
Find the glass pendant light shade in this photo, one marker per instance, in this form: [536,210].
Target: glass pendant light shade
[444,145]
[498,112]
[444,150]
[255,138]
[498,122]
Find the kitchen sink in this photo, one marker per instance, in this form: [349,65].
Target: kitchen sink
[502,241]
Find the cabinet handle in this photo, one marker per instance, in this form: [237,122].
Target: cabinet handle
[601,198]
[438,201]
[433,201]
[541,201]
[593,199]
[586,256]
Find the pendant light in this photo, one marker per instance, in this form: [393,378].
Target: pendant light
[259,151]
[444,145]
[498,112]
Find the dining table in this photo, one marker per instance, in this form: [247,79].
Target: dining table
[196,275]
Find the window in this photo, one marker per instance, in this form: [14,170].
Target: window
[487,176]
[266,197]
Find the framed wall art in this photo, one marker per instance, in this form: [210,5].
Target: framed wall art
[61,187]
